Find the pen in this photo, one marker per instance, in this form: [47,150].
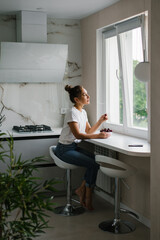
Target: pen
[135,145]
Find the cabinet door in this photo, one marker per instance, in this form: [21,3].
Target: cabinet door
[35,148]
[30,149]
[40,147]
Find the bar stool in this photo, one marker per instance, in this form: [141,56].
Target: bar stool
[68,209]
[116,169]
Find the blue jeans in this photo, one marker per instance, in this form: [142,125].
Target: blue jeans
[71,153]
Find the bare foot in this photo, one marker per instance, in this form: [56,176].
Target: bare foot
[88,204]
[81,194]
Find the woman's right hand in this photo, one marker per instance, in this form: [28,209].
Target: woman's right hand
[103,118]
[104,134]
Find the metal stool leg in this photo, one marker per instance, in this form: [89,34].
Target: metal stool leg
[69,209]
[117,225]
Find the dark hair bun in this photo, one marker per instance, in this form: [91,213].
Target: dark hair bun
[68,88]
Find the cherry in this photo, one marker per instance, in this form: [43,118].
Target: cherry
[106,130]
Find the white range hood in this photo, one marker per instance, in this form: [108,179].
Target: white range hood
[31,61]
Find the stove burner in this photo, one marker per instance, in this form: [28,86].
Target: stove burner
[32,128]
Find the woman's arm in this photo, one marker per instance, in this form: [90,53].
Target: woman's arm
[92,129]
[75,130]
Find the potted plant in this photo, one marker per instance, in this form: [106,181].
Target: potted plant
[23,201]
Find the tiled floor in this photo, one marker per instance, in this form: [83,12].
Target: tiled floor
[85,226]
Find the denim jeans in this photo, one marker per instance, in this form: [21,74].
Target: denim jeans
[71,153]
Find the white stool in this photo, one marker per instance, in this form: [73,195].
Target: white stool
[116,169]
[68,209]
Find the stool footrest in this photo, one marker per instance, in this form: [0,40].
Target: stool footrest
[117,227]
[69,210]
[75,200]
[129,212]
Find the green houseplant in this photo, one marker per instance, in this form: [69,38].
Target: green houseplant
[23,201]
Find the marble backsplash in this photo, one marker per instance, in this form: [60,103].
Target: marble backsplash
[40,103]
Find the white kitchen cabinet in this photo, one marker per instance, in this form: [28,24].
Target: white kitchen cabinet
[30,148]
[34,148]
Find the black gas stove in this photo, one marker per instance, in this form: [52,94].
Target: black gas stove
[32,128]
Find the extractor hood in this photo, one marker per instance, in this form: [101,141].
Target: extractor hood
[32,60]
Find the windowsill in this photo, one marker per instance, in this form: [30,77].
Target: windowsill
[120,143]
[130,131]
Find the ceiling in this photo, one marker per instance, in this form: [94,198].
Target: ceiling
[73,9]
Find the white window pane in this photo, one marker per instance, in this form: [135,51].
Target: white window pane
[139,88]
[127,70]
[135,91]
[113,89]
[125,97]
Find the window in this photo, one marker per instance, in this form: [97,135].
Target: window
[120,94]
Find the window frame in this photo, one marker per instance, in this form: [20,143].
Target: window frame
[101,86]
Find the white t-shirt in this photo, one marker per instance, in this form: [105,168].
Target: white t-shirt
[73,115]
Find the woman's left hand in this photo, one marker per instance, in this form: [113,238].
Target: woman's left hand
[103,118]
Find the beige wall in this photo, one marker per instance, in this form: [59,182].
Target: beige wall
[155,119]
[138,198]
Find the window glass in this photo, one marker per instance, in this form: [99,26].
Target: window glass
[139,88]
[114,106]
[126,100]
[131,53]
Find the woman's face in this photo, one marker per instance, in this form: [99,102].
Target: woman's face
[84,98]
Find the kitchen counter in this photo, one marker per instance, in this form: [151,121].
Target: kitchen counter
[124,144]
[33,144]
[116,142]
[30,145]
[32,135]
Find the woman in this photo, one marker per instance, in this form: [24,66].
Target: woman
[77,127]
